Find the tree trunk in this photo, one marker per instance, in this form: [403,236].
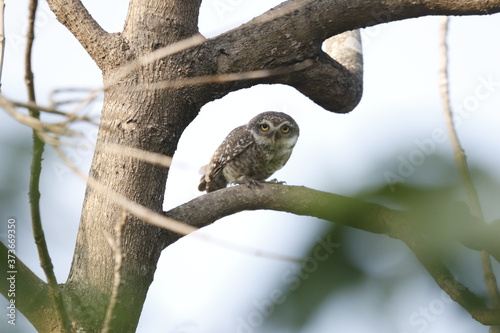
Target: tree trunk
[151,120]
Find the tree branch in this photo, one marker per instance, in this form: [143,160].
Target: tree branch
[31,294]
[34,191]
[274,40]
[444,278]
[96,41]
[360,215]
[467,229]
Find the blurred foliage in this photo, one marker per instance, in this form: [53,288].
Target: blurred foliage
[362,259]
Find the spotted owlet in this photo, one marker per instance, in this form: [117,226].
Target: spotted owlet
[251,153]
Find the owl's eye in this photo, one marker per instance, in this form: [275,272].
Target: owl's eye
[264,127]
[285,129]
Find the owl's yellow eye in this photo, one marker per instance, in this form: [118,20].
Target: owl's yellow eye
[285,129]
[264,127]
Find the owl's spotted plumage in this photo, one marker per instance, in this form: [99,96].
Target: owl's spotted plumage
[252,153]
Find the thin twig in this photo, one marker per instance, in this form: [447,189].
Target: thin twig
[154,56]
[461,162]
[32,120]
[80,103]
[249,250]
[33,106]
[145,214]
[217,78]
[140,154]
[189,43]
[34,191]
[71,116]
[54,102]
[116,245]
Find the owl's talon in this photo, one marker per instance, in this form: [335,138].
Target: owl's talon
[252,182]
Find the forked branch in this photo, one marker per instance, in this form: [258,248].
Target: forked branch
[97,42]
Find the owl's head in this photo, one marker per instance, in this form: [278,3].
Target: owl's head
[274,128]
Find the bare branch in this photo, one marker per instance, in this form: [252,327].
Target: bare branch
[96,41]
[461,162]
[42,129]
[151,57]
[347,50]
[140,211]
[370,217]
[329,18]
[274,40]
[29,105]
[144,213]
[245,249]
[444,278]
[218,78]
[147,156]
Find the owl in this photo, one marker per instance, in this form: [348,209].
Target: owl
[251,153]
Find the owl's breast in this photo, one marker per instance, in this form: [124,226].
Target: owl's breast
[256,163]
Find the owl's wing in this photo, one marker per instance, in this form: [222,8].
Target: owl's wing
[234,144]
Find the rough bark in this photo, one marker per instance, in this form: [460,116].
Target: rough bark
[148,120]
[154,120]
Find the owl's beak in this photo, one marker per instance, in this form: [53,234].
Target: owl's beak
[274,136]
